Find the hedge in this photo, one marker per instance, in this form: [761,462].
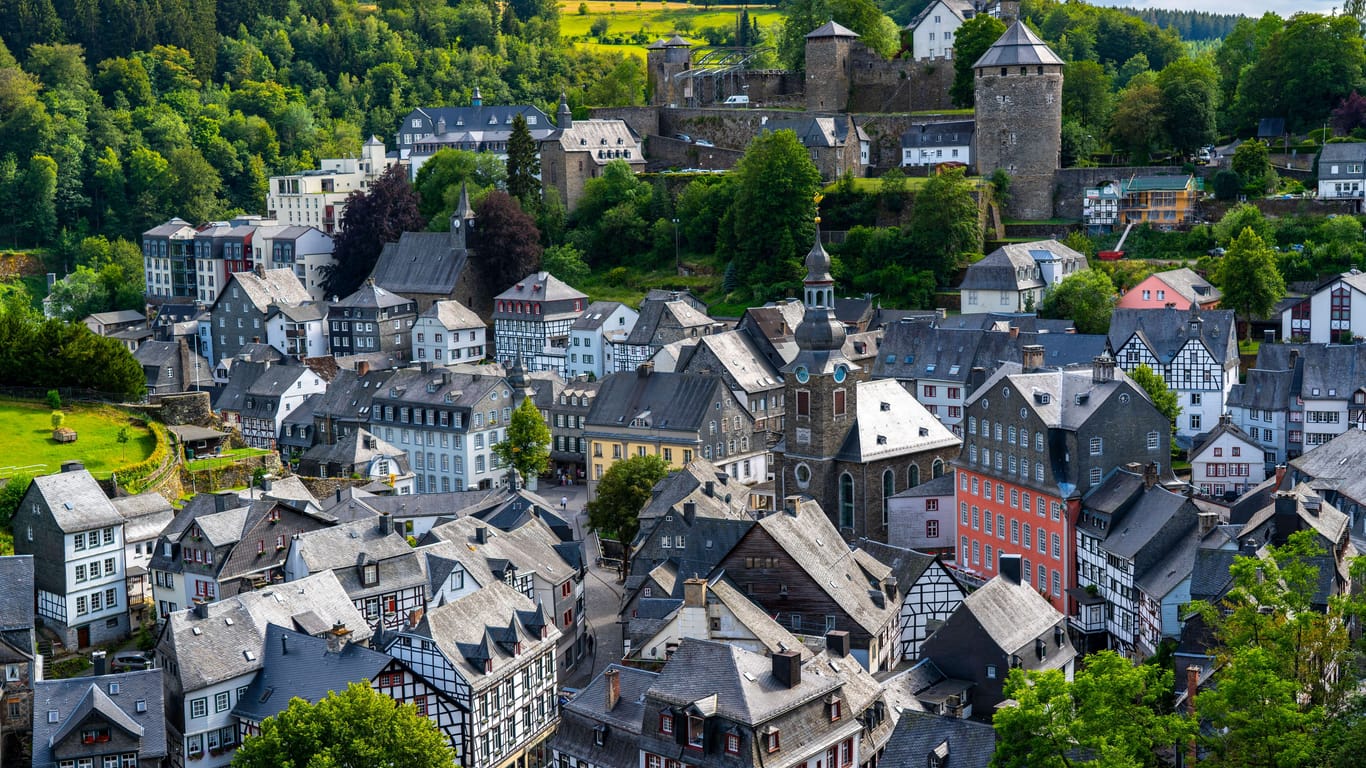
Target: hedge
[129,476]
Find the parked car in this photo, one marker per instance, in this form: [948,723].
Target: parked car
[130,661]
[683,137]
[704,143]
[736,101]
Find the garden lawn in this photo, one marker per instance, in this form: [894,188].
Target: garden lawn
[27,447]
[656,19]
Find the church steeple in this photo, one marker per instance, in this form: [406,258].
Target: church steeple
[564,117]
[820,335]
[462,219]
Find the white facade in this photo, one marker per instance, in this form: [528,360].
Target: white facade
[209,724]
[96,589]
[444,342]
[943,398]
[306,252]
[592,350]
[1334,313]
[923,523]
[318,198]
[933,37]
[1228,462]
[1200,382]
[960,153]
[296,338]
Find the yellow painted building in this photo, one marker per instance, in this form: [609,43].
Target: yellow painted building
[1160,201]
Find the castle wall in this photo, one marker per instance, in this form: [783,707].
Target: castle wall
[897,85]
[667,152]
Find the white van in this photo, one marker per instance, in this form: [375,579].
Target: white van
[736,101]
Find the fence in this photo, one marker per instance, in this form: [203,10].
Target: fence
[69,394]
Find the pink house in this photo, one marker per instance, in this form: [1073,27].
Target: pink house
[1179,288]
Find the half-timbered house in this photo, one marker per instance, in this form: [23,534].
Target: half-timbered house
[374,563]
[929,593]
[600,727]
[1195,351]
[492,652]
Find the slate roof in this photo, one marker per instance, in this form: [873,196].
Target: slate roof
[968,743]
[1166,331]
[653,312]
[297,665]
[742,682]
[174,226]
[230,641]
[627,714]
[950,133]
[530,547]
[939,486]
[452,315]
[170,365]
[1014,615]
[742,359]
[357,450]
[344,549]
[482,626]
[670,401]
[1339,461]
[831,29]
[907,565]
[76,500]
[145,515]
[420,263]
[689,484]
[1328,522]
[1224,427]
[589,137]
[79,698]
[16,592]
[371,296]
[889,421]
[271,286]
[1019,46]
[1210,574]
[845,575]
[588,710]
[814,131]
[1011,267]
[1190,285]
[120,316]
[1341,155]
[1263,390]
[595,315]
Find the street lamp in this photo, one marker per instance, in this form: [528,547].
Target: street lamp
[678,266]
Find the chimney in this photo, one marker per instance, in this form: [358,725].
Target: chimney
[976,378]
[72,466]
[792,505]
[1208,521]
[260,269]
[98,658]
[336,637]
[1150,475]
[386,524]
[201,609]
[689,511]
[284,644]
[710,488]
[267,482]
[1010,567]
[837,643]
[1014,331]
[695,592]
[1294,358]
[1102,369]
[362,367]
[1312,504]
[1285,521]
[787,668]
[1192,688]
[1269,336]
[1280,474]
[645,369]
[339,494]
[612,679]
[1031,356]
[481,534]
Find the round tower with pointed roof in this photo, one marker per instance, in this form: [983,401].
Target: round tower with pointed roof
[564,116]
[1018,87]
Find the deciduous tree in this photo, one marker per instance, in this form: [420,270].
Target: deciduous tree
[1163,398]
[527,445]
[773,212]
[1249,278]
[1190,97]
[1087,297]
[973,39]
[945,228]
[348,729]
[373,217]
[622,492]
[509,245]
[1252,161]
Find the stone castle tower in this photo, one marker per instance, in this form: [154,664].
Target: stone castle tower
[1019,119]
[829,50]
[664,60]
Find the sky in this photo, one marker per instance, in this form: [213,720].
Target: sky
[1245,7]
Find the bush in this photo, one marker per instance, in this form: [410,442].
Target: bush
[70,666]
[58,419]
[54,399]
[583,9]
[130,476]
[598,27]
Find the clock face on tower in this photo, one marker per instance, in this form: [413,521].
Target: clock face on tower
[840,373]
[802,374]
[455,223]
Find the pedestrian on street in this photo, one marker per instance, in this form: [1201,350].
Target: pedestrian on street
[564,503]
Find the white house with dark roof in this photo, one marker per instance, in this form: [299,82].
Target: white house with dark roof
[1226,460]
[1333,313]
[595,336]
[493,653]
[298,330]
[211,653]
[1015,277]
[922,517]
[449,332]
[1342,171]
[374,563]
[933,29]
[714,609]
[316,198]
[935,143]
[75,534]
[304,249]
[1333,471]
[474,128]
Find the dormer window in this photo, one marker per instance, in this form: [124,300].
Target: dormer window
[666,723]
[370,574]
[836,708]
[696,732]
[599,734]
[1040,649]
[771,743]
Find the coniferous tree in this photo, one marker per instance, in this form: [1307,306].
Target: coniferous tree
[524,166]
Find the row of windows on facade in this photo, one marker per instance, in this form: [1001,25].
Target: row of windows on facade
[1041,504]
[493,745]
[436,417]
[530,307]
[430,463]
[86,539]
[92,570]
[344,326]
[97,601]
[1016,529]
[121,760]
[407,437]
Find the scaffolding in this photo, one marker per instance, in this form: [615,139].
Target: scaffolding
[721,71]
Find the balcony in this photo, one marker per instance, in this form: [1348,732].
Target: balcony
[1089,616]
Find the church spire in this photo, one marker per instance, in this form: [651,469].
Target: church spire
[462,219]
[820,335]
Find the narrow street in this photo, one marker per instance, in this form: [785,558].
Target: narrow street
[602,591]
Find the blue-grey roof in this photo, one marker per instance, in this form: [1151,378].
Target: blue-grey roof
[950,133]
[1019,46]
[114,698]
[965,743]
[1210,576]
[1166,331]
[294,664]
[76,500]
[1341,156]
[16,592]
[420,263]
[671,401]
